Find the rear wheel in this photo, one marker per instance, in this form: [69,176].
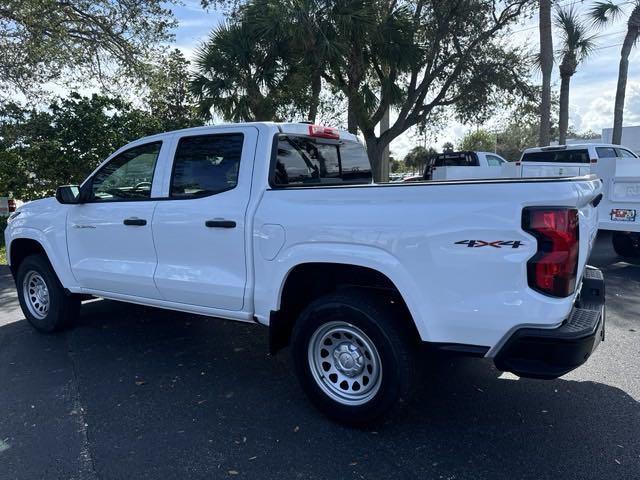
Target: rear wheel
[42,297]
[353,356]
[626,244]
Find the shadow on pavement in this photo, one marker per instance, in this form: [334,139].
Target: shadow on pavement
[136,392]
[168,395]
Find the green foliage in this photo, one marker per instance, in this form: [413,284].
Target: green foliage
[587,135]
[447,147]
[243,78]
[478,140]
[417,158]
[44,40]
[169,98]
[419,58]
[40,150]
[396,166]
[575,42]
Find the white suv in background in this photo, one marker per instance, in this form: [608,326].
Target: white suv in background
[618,168]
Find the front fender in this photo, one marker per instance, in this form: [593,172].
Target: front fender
[54,245]
[271,276]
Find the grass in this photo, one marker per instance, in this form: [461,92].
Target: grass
[3,255]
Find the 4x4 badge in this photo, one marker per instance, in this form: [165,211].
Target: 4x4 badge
[494,244]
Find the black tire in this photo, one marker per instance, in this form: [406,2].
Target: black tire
[626,244]
[63,309]
[384,326]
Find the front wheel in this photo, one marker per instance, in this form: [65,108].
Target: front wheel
[626,244]
[353,355]
[42,297]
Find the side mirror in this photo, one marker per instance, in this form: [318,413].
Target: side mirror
[68,194]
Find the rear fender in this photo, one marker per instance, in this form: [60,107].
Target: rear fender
[272,276]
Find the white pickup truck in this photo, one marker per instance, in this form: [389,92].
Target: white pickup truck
[618,168]
[280,224]
[466,165]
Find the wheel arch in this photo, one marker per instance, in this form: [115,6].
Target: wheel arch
[28,241]
[21,248]
[311,277]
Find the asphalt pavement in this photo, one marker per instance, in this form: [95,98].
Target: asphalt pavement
[135,392]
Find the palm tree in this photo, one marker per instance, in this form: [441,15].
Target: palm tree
[546,66]
[607,12]
[575,46]
[233,76]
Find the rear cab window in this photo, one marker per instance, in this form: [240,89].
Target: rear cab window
[558,156]
[307,161]
[456,159]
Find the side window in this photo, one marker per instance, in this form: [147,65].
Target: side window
[623,152]
[206,165]
[128,176]
[606,152]
[494,161]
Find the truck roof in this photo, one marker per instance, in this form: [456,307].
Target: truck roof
[573,146]
[294,128]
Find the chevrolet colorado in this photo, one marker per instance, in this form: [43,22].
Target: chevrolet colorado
[280,224]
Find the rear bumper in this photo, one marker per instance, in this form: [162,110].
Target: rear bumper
[550,353]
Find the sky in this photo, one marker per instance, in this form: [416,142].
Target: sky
[592,87]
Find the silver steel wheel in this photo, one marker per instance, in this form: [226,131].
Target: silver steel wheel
[345,363]
[36,294]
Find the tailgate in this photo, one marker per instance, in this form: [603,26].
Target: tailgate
[625,190]
[588,214]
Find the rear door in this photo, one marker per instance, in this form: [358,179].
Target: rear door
[199,229]
[558,162]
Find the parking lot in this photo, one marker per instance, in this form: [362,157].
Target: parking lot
[135,392]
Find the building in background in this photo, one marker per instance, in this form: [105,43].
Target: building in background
[630,137]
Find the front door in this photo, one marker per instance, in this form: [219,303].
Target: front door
[109,235]
[200,231]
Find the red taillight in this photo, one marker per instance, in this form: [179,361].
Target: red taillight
[11,203]
[324,132]
[554,268]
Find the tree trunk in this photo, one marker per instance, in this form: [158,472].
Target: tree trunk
[564,108]
[546,65]
[384,166]
[352,122]
[375,152]
[618,111]
[316,87]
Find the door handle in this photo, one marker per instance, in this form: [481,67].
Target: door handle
[137,222]
[220,224]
